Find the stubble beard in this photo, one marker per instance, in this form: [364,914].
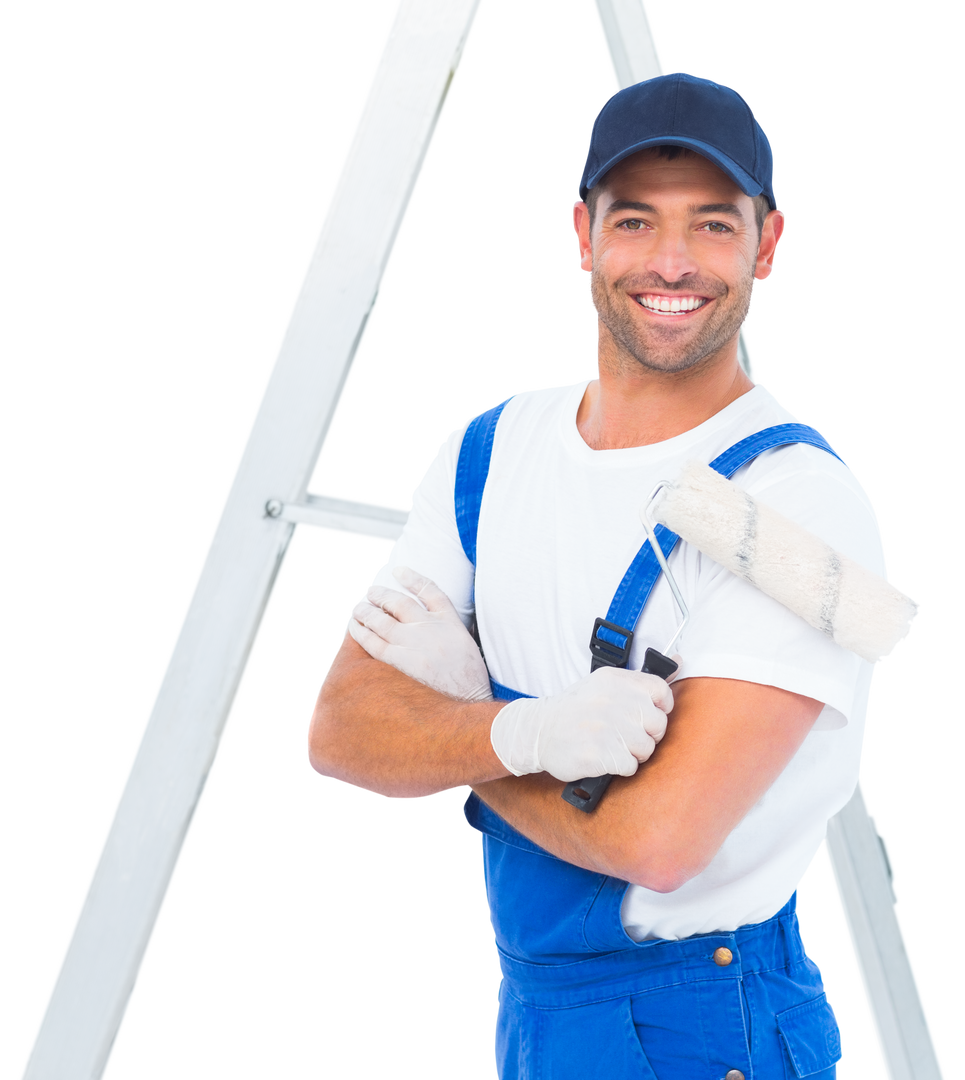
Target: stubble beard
[667,349]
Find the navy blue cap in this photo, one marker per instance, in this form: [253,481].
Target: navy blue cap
[680,110]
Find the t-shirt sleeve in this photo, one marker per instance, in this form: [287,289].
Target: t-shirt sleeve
[738,632]
[430,542]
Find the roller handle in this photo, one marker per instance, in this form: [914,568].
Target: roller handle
[585,794]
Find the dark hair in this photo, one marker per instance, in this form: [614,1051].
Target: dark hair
[761,206]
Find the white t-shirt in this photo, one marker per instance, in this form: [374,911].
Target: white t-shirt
[558,528]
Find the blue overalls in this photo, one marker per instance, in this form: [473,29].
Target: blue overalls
[580,1000]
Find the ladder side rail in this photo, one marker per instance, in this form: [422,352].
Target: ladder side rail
[864,876]
[630,41]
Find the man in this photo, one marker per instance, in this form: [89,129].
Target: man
[653,937]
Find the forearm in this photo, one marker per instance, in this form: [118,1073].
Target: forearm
[616,839]
[378,729]
[640,829]
[726,743]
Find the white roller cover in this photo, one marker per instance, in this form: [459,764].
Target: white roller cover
[857,609]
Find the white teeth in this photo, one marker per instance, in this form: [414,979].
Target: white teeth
[665,303]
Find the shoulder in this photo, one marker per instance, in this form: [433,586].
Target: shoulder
[514,427]
[819,492]
[529,415]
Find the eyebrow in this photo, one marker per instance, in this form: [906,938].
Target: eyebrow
[646,208]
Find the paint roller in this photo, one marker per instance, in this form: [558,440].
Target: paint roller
[857,609]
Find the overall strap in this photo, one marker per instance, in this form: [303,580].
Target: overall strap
[612,636]
[472,470]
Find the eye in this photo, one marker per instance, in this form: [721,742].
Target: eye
[633,225]
[717,227]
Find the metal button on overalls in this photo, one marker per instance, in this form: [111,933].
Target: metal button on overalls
[734,1074]
[722,957]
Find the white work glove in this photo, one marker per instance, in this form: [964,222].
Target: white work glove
[426,641]
[606,723]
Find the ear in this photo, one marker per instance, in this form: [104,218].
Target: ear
[581,222]
[770,234]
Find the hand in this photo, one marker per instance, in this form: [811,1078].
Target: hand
[606,723]
[426,641]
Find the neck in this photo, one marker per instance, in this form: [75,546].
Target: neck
[630,405]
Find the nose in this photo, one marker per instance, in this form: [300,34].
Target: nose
[670,256]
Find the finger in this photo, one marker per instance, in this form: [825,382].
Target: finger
[626,686]
[656,725]
[398,605]
[377,620]
[627,764]
[660,693]
[367,613]
[371,642]
[644,748]
[410,579]
[629,685]
[424,588]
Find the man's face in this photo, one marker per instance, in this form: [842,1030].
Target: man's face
[674,252]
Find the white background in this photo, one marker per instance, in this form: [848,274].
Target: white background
[168,187]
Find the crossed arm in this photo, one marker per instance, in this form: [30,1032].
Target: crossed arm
[726,743]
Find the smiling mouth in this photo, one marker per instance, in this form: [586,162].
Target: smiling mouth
[670,305]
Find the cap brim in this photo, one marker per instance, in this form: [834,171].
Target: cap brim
[741,178]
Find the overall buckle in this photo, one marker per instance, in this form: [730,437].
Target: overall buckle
[606,653]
